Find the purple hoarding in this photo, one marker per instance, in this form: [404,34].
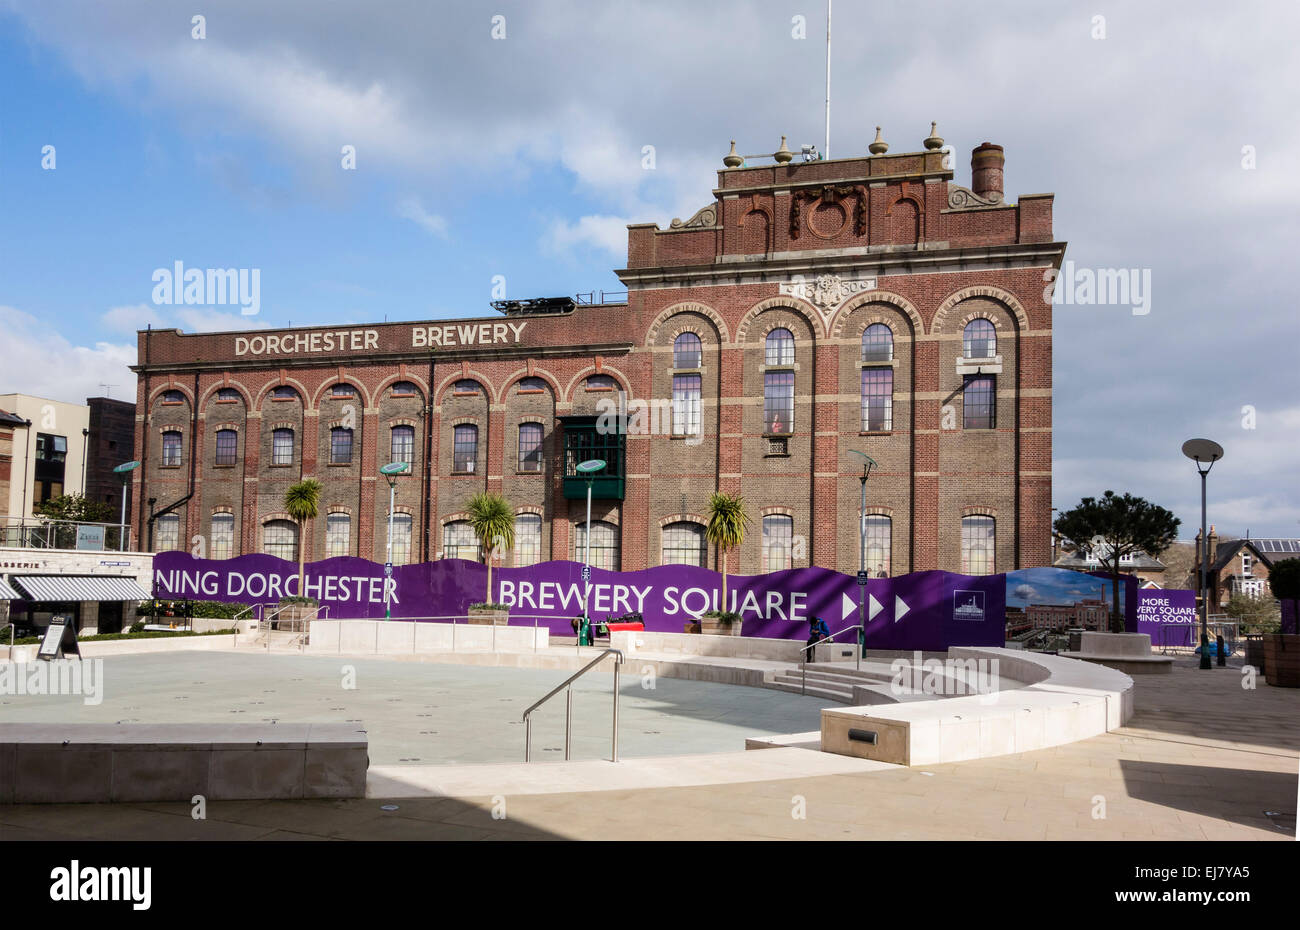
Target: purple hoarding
[923,610]
[1168,617]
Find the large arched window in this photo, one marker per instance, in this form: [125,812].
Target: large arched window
[604,544]
[683,544]
[688,351]
[338,535]
[979,340]
[459,542]
[167,533]
[779,347]
[879,537]
[223,536]
[877,343]
[171,448]
[401,538]
[280,539]
[464,448]
[978,540]
[778,542]
[528,539]
[227,447]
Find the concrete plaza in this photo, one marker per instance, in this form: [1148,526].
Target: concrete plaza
[1203,758]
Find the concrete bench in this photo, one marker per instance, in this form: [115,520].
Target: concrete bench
[1124,652]
[43,763]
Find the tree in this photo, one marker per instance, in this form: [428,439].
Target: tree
[302,501]
[1114,527]
[493,521]
[1284,582]
[726,530]
[1255,614]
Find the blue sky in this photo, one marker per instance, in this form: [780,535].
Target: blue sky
[522,157]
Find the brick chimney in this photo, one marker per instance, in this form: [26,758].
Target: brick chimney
[986,162]
[1214,543]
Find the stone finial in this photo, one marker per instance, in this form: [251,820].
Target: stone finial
[783,154]
[934,142]
[732,159]
[879,146]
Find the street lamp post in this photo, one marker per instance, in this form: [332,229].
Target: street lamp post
[588,470]
[391,471]
[124,470]
[1204,452]
[867,464]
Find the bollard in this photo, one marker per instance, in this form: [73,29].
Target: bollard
[1218,642]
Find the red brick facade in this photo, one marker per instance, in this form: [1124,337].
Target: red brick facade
[822,249]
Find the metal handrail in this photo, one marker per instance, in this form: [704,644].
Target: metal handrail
[808,653]
[568,708]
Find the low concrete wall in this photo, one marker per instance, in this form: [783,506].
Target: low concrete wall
[44,763]
[116,647]
[699,644]
[396,637]
[1063,701]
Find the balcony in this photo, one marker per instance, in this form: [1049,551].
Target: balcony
[583,441]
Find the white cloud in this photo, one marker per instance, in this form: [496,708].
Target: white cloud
[413,210]
[40,361]
[130,319]
[603,233]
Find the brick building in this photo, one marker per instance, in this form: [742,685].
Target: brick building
[112,443]
[810,309]
[1240,566]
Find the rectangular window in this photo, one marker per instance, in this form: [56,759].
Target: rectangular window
[877,400]
[459,541]
[227,446]
[167,533]
[979,402]
[464,449]
[401,538]
[171,449]
[402,445]
[530,447]
[223,536]
[340,446]
[879,530]
[282,447]
[686,405]
[338,534]
[528,539]
[778,542]
[778,402]
[977,545]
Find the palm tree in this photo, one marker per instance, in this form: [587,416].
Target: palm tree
[302,501]
[493,521]
[726,529]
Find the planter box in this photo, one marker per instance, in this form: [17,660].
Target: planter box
[1282,659]
[712,626]
[489,617]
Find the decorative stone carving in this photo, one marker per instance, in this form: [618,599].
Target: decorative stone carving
[828,194]
[960,197]
[827,291]
[704,217]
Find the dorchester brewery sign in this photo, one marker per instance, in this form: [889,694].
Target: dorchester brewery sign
[915,611]
[336,341]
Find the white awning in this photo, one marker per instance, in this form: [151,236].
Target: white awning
[80,588]
[9,594]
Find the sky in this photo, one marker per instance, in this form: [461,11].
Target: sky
[513,150]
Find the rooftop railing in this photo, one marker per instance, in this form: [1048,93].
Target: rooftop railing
[40,533]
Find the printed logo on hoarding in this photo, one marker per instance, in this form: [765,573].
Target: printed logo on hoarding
[968,605]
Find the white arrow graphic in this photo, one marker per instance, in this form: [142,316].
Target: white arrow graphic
[899,608]
[873,607]
[848,607]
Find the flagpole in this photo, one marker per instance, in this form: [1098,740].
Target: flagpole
[826,151]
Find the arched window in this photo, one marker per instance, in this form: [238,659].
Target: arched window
[529,385]
[459,542]
[223,536]
[604,544]
[467,386]
[779,347]
[401,554]
[528,539]
[978,539]
[228,396]
[401,446]
[979,340]
[879,537]
[171,448]
[404,389]
[688,351]
[877,400]
[683,544]
[283,392]
[464,448]
[778,542]
[338,534]
[877,343]
[280,539]
[340,446]
[282,447]
[601,383]
[343,390]
[167,533]
[227,447]
[530,447]
[173,397]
